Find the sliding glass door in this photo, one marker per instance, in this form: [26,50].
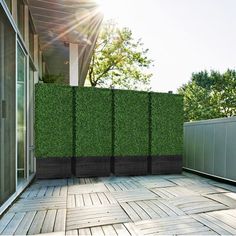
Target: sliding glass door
[21,116]
[7,108]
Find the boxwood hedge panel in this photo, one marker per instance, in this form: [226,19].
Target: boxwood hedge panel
[166,124]
[53,120]
[131,123]
[93,122]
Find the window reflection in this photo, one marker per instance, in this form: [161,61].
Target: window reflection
[21,122]
[7,103]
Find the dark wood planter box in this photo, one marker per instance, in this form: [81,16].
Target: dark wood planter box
[130,165]
[166,165]
[92,166]
[53,167]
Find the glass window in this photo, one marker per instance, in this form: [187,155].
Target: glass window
[31,39]
[7,108]
[21,115]
[21,17]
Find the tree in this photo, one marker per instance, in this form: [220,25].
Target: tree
[209,95]
[119,60]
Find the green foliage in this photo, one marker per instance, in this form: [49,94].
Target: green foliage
[119,60]
[131,123]
[53,120]
[93,122]
[209,95]
[93,116]
[167,124]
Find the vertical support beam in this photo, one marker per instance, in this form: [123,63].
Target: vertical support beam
[14,11]
[40,64]
[36,58]
[74,64]
[36,51]
[26,26]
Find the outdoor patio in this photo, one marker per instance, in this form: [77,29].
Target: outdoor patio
[142,205]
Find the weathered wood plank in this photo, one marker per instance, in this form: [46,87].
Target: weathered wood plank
[121,229]
[71,201]
[13,224]
[103,198]
[49,191]
[60,221]
[130,212]
[79,200]
[56,191]
[204,220]
[141,213]
[63,191]
[72,232]
[157,183]
[97,231]
[171,225]
[95,199]
[86,217]
[172,192]
[48,223]
[228,199]
[25,223]
[109,230]
[110,198]
[42,191]
[37,223]
[87,188]
[134,195]
[156,208]
[132,229]
[5,220]
[152,214]
[87,200]
[223,221]
[85,231]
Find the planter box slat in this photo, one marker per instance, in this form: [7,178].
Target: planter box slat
[130,165]
[53,167]
[166,165]
[92,166]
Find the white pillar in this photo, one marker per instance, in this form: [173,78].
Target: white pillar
[40,64]
[74,64]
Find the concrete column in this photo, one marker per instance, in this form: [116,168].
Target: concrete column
[74,64]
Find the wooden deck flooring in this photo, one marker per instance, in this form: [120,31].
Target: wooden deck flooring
[141,205]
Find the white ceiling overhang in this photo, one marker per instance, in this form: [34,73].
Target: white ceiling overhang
[60,22]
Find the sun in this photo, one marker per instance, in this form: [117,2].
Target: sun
[111,9]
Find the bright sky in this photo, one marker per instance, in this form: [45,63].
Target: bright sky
[183,36]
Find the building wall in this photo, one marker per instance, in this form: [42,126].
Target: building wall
[20,68]
[209,147]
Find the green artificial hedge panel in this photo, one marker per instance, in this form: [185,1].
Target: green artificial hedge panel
[131,123]
[93,122]
[166,124]
[53,120]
